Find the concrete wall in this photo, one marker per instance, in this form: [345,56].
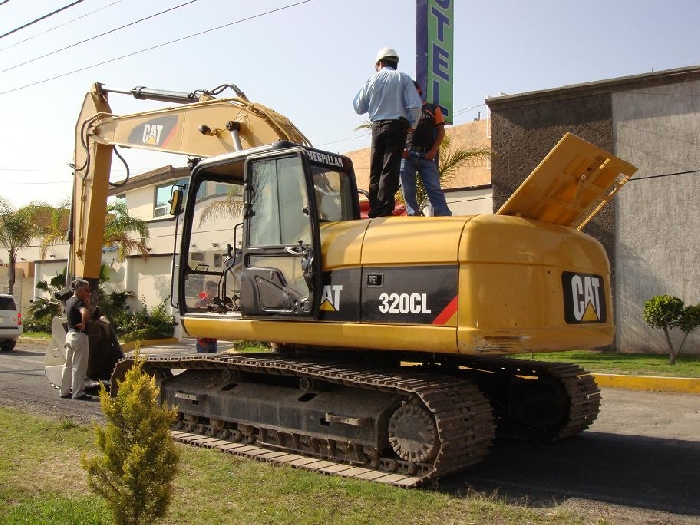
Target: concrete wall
[658,130]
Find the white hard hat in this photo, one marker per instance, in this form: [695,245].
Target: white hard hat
[387,52]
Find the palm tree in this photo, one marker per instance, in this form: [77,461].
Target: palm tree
[55,227]
[17,229]
[119,228]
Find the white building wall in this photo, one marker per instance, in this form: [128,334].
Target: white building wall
[149,279]
[470,202]
[140,202]
[657,129]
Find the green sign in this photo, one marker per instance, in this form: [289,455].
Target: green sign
[434,52]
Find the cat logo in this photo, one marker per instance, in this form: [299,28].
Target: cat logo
[151,134]
[156,132]
[584,298]
[330,300]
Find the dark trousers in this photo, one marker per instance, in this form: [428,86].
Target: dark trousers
[388,143]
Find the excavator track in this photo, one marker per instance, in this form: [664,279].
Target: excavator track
[570,404]
[439,424]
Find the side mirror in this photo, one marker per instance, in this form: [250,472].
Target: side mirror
[176,199]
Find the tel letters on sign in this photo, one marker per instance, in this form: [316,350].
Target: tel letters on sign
[434,52]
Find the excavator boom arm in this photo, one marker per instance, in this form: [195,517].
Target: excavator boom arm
[201,126]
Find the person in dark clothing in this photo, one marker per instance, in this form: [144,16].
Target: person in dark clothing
[422,147]
[77,343]
[207,345]
[393,105]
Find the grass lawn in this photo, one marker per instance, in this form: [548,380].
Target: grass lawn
[41,482]
[630,364]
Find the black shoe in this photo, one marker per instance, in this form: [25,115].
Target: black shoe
[67,396]
[84,397]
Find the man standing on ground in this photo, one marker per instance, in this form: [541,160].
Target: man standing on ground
[393,106]
[77,343]
[421,149]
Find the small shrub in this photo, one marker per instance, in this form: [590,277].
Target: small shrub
[666,312]
[42,310]
[139,462]
[156,324]
[113,306]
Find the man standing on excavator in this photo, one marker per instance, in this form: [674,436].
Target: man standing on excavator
[419,157]
[393,106]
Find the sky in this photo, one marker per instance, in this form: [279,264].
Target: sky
[304,58]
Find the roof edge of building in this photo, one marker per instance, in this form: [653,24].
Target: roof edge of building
[668,76]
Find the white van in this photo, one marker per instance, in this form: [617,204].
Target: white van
[10,323]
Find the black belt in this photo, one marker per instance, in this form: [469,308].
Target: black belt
[402,120]
[418,149]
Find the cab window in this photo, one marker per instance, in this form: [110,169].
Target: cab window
[279,206]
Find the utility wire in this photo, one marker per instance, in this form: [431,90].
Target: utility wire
[4,2]
[114,30]
[59,25]
[464,110]
[163,44]
[41,18]
[688,172]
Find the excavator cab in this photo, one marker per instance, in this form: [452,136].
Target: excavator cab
[281,196]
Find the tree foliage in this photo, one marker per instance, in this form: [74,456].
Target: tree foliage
[17,229]
[55,227]
[135,473]
[119,230]
[43,310]
[127,233]
[155,323]
[666,312]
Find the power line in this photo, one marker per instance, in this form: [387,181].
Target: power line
[114,30]
[163,44]
[687,172]
[41,18]
[4,2]
[459,112]
[59,25]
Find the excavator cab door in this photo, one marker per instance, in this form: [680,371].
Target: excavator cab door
[281,274]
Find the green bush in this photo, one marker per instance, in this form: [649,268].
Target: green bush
[156,324]
[42,310]
[40,314]
[135,473]
[114,306]
[128,325]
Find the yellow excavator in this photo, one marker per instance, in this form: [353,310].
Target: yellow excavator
[392,335]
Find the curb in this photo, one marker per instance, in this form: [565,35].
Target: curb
[128,347]
[686,385]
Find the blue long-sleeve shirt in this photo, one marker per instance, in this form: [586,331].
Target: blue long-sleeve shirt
[389,95]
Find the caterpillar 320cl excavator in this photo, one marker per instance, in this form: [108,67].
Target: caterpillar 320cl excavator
[392,335]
